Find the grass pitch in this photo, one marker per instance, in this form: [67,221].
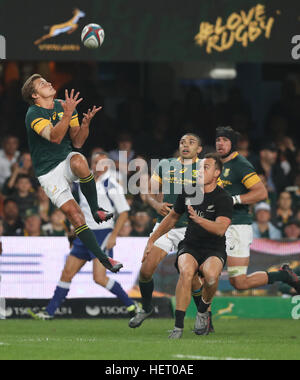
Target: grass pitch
[114,340]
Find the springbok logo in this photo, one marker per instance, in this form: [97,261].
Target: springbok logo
[66,27]
[227,310]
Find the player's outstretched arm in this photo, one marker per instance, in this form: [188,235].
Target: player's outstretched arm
[80,134]
[165,226]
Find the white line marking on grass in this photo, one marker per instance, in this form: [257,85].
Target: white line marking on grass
[207,357]
[4,344]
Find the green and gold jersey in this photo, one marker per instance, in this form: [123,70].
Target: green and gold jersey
[237,177]
[45,154]
[173,176]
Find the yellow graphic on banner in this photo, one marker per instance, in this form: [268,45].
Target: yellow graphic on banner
[66,27]
[239,27]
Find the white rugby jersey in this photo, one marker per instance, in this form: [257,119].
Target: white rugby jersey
[110,197]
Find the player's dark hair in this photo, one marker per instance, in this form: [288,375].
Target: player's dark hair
[28,88]
[217,158]
[194,135]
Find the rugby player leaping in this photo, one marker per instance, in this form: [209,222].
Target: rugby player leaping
[52,128]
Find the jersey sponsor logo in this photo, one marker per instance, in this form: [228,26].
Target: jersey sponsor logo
[226,172]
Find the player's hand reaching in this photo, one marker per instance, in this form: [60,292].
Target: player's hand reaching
[164,208]
[148,248]
[87,117]
[193,215]
[70,103]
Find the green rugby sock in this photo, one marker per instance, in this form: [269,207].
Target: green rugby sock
[146,289]
[89,240]
[89,190]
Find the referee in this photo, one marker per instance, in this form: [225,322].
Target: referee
[203,248]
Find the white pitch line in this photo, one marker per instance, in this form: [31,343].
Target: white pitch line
[195,357]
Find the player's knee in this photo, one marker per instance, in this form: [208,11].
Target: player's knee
[211,278]
[187,274]
[77,163]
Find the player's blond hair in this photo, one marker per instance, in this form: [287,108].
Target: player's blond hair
[28,88]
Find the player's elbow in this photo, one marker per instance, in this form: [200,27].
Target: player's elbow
[264,194]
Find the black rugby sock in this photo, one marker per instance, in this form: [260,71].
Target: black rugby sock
[202,308]
[179,319]
[146,289]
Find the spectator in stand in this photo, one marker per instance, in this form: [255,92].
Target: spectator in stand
[8,156]
[141,224]
[22,166]
[270,168]
[24,195]
[262,227]
[32,226]
[287,158]
[292,230]
[124,145]
[57,225]
[244,150]
[296,192]
[44,205]
[12,223]
[284,212]
[126,229]
[272,196]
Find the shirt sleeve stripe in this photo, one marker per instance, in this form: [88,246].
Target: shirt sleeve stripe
[35,121]
[247,176]
[253,180]
[40,125]
[74,122]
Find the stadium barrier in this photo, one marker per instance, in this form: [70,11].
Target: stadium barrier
[251,307]
[87,308]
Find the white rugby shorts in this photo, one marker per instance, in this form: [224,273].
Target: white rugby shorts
[57,183]
[170,241]
[238,240]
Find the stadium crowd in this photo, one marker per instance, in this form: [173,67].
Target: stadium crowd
[147,131]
